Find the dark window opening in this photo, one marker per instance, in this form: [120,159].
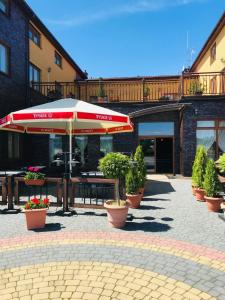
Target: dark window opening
[4,6]
[4,59]
[34,35]
[58,60]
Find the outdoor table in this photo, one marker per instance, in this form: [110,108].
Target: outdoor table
[9,175]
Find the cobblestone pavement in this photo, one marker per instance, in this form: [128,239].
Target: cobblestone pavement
[171,248]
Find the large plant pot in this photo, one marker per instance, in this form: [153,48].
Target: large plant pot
[134,200]
[222,206]
[213,204]
[117,215]
[193,190]
[200,194]
[141,191]
[35,218]
[37,182]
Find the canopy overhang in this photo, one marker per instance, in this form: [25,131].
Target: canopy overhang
[159,109]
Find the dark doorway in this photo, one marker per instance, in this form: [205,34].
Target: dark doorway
[164,155]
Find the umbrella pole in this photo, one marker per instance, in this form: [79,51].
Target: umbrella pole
[70,149]
[67,177]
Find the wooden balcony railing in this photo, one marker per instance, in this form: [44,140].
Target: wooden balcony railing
[137,89]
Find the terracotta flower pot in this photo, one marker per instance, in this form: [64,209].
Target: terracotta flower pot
[214,203]
[38,182]
[117,215]
[141,191]
[193,190]
[134,200]
[199,194]
[35,218]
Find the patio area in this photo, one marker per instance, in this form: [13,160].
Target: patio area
[171,248]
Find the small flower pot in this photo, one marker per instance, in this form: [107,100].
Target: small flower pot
[213,204]
[35,218]
[134,200]
[117,215]
[200,194]
[37,182]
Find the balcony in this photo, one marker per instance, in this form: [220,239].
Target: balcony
[148,89]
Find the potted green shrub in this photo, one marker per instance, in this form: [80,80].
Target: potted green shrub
[198,173]
[116,166]
[35,212]
[141,168]
[132,187]
[194,170]
[34,177]
[146,93]
[212,187]
[220,164]
[196,88]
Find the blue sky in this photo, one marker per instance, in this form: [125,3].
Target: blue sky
[115,38]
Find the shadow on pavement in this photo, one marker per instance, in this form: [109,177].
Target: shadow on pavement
[150,207]
[154,199]
[147,226]
[167,219]
[131,217]
[50,227]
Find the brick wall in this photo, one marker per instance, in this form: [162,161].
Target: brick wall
[206,109]
[13,88]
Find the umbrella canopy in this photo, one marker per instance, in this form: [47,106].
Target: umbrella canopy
[67,116]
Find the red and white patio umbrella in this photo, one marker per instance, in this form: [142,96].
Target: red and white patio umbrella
[67,117]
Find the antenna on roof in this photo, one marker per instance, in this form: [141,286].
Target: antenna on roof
[190,51]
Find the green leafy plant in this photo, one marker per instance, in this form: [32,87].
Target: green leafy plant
[220,163]
[36,203]
[100,91]
[212,185]
[34,175]
[116,166]
[196,87]
[198,168]
[141,167]
[146,91]
[132,181]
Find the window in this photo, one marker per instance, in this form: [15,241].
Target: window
[34,35]
[156,129]
[211,134]
[205,123]
[55,146]
[13,145]
[81,149]
[207,138]
[4,6]
[35,73]
[213,53]
[4,59]
[106,144]
[58,60]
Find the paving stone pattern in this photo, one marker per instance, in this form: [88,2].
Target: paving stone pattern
[172,249]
